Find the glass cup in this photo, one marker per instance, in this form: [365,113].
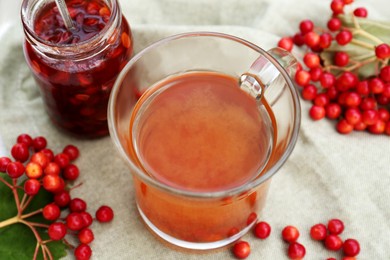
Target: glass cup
[204,219]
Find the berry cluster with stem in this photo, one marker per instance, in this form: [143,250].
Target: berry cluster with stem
[35,167]
[352,89]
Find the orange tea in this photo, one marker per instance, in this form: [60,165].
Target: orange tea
[199,132]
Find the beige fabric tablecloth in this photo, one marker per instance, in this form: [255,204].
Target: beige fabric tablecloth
[327,176]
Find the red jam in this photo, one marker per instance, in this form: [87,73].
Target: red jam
[76,86]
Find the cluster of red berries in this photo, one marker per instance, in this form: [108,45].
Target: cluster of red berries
[337,90]
[319,232]
[41,168]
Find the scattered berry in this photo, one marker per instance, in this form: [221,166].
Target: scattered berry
[351,247]
[333,242]
[104,214]
[290,234]
[296,251]
[318,232]
[241,249]
[262,230]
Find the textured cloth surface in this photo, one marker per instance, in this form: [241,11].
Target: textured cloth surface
[327,176]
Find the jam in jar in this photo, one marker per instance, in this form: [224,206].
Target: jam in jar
[76,69]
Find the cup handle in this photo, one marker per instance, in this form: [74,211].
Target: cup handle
[263,75]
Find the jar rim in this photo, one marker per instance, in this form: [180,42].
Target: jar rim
[79,48]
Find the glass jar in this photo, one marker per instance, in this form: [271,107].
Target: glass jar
[75,70]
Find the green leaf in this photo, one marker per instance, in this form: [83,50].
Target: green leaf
[17,241]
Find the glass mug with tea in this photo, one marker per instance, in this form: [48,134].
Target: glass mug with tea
[204,120]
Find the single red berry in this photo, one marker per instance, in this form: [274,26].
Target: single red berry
[337,6]
[40,158]
[352,99]
[74,221]
[49,154]
[346,81]
[83,252]
[376,85]
[341,58]
[360,126]
[24,139]
[360,12]
[262,230]
[52,169]
[344,37]
[4,161]
[332,93]
[290,234]
[332,110]
[382,51]
[312,39]
[318,232]
[317,112]
[296,251]
[39,143]
[333,242]
[57,231]
[353,116]
[53,183]
[77,205]
[383,114]
[20,152]
[334,24]
[32,187]
[368,103]
[298,39]
[311,60]
[335,226]
[51,212]
[241,249]
[87,218]
[325,40]
[362,88]
[306,26]
[351,247]
[315,74]
[72,151]
[302,78]
[327,80]
[62,198]
[343,127]
[62,160]
[378,127]
[370,116]
[286,43]
[321,100]
[33,170]
[85,236]
[71,172]
[383,100]
[385,73]
[309,92]
[104,214]
[15,169]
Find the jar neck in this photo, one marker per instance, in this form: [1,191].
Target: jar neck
[74,51]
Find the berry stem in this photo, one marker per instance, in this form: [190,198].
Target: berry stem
[363,44]
[9,221]
[31,214]
[36,251]
[16,195]
[34,224]
[367,35]
[27,202]
[6,183]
